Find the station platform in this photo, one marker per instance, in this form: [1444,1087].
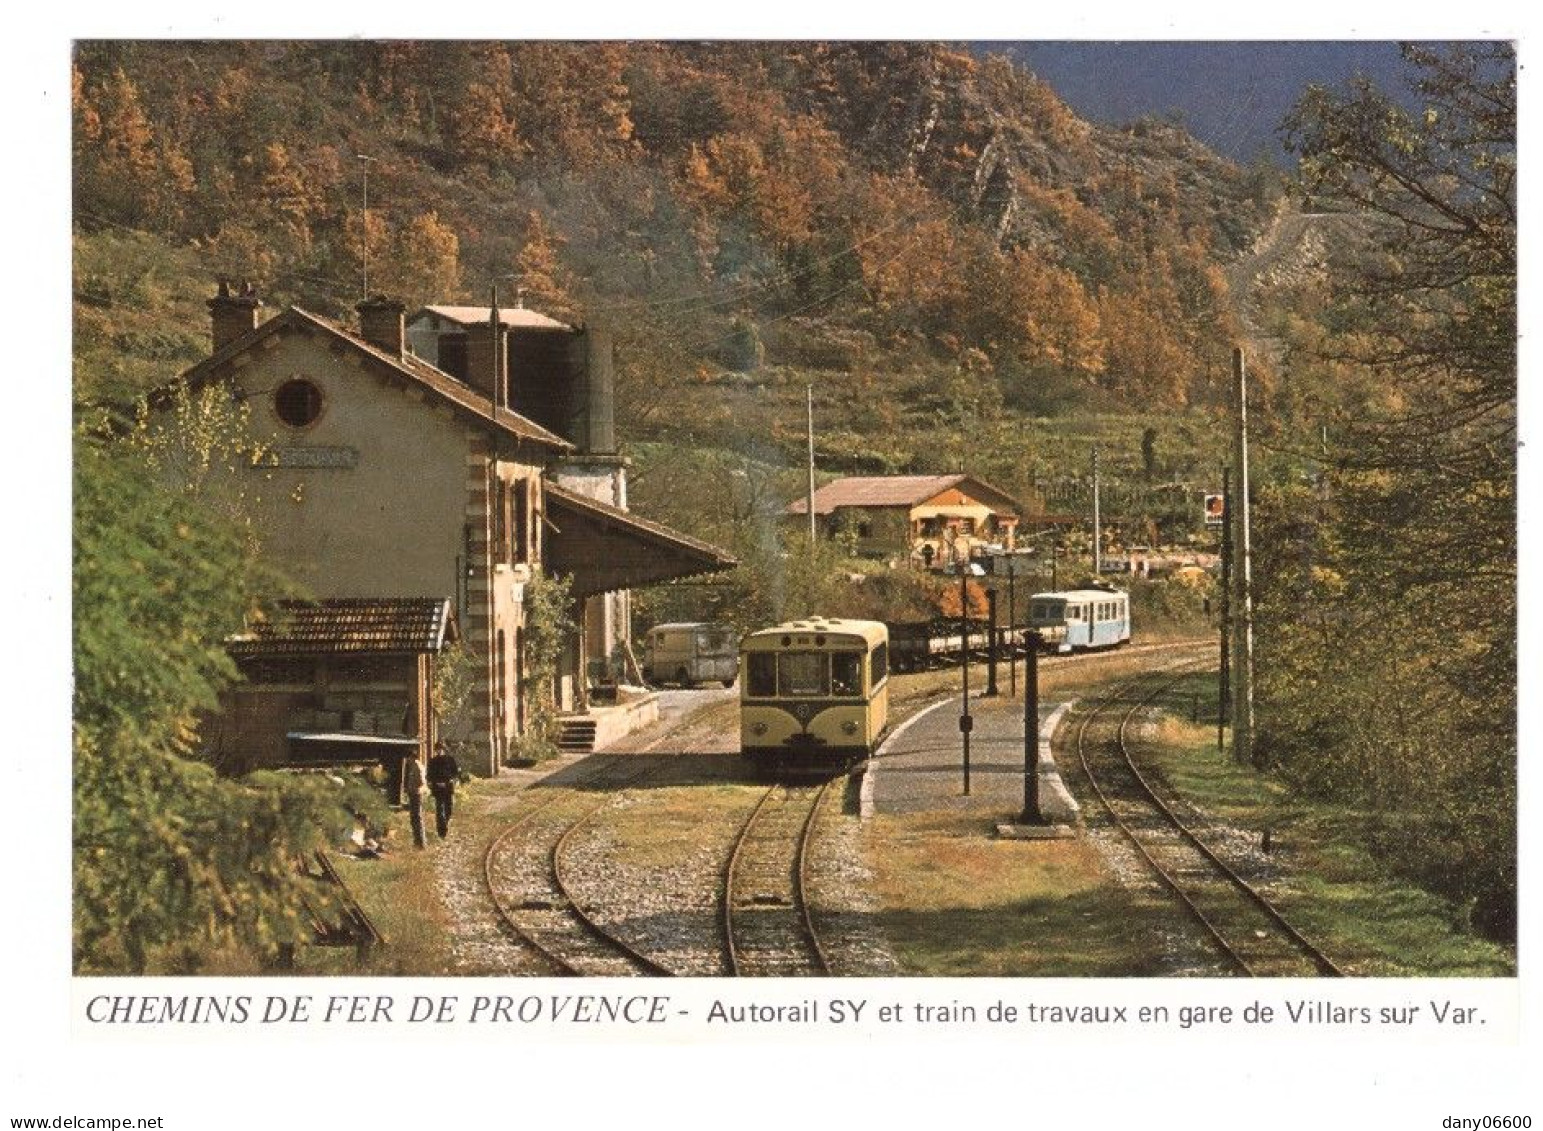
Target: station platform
[921,768]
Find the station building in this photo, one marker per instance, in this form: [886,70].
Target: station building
[389,482]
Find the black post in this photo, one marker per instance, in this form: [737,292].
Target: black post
[1055,561]
[1012,629]
[991,641]
[966,724]
[1031,813]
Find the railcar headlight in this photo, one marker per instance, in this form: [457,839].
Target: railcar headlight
[849,727]
[757,729]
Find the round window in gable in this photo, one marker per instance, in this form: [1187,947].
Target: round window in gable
[298,402]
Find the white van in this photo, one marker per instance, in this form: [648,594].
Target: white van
[691,654]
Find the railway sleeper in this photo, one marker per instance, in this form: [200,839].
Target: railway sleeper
[764,900]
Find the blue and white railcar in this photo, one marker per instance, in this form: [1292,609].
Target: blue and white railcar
[1081,618]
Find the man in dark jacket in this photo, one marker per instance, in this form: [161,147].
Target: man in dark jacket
[443,772]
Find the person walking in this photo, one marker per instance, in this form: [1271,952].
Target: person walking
[443,774]
[414,785]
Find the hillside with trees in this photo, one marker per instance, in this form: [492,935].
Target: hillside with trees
[868,205]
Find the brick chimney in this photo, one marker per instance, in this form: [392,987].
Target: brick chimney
[232,315]
[383,323]
[487,357]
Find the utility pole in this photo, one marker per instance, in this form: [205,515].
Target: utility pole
[1242,578]
[1098,541]
[966,723]
[809,406]
[367,159]
[1223,688]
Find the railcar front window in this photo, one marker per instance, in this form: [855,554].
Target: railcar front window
[880,665]
[803,673]
[846,673]
[761,675]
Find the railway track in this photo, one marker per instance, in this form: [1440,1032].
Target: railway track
[353,926]
[1246,927]
[768,929]
[527,879]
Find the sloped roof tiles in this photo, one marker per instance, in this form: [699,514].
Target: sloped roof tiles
[349,626]
[884,491]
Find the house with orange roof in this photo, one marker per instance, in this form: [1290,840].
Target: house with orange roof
[920,519]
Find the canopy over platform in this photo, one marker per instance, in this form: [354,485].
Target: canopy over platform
[605,549]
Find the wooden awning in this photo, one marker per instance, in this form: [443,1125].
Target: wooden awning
[604,548]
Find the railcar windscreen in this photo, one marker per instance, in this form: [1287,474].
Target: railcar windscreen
[803,673]
[846,673]
[761,674]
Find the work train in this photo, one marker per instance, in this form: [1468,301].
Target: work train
[1066,621]
[1081,618]
[814,693]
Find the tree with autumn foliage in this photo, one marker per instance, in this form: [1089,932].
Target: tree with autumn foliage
[125,171]
[1388,620]
[539,271]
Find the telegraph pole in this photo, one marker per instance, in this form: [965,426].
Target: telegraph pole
[966,723]
[1223,689]
[366,158]
[809,406]
[1098,541]
[1242,578]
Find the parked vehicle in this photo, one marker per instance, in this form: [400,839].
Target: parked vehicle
[690,654]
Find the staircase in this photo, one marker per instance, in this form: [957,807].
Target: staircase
[576,734]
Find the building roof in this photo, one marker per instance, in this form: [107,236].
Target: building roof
[1079,595]
[516,318]
[349,626]
[432,379]
[888,491]
[605,548]
[656,530]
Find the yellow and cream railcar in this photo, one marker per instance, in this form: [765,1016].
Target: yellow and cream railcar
[814,693]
